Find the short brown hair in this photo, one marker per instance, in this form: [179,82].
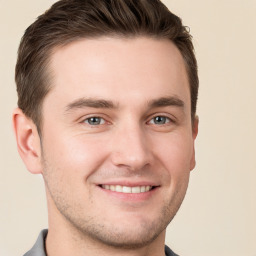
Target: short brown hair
[70,20]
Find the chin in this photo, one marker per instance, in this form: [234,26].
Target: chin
[129,233]
[127,238]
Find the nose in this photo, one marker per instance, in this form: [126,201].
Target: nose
[131,148]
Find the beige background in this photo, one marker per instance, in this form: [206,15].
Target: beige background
[218,214]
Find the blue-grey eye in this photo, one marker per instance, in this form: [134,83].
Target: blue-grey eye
[94,120]
[159,120]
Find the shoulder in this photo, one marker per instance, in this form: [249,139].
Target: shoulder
[169,252]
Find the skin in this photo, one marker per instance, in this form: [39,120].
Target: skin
[141,134]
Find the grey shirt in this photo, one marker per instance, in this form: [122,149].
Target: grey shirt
[39,247]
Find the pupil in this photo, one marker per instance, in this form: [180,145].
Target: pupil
[160,119]
[94,120]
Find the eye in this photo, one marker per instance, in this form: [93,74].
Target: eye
[94,120]
[159,120]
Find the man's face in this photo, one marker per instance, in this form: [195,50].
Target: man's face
[117,138]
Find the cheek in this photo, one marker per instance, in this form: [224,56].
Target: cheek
[68,166]
[74,154]
[175,153]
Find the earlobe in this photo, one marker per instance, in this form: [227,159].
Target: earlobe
[28,141]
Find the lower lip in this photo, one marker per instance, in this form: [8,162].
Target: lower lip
[130,196]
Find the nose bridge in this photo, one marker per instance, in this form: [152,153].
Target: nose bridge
[131,147]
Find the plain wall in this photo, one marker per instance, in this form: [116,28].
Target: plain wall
[218,215]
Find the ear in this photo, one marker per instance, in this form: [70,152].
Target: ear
[194,135]
[28,141]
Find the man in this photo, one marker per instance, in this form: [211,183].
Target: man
[107,114]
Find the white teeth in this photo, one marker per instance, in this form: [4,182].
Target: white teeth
[125,189]
[119,188]
[135,189]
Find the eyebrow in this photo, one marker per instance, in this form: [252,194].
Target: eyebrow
[90,102]
[166,101]
[101,103]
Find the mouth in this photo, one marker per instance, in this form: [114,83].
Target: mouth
[127,189]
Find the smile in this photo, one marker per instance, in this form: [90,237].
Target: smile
[126,189]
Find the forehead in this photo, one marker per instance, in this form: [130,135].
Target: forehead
[118,68]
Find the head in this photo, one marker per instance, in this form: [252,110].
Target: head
[111,88]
